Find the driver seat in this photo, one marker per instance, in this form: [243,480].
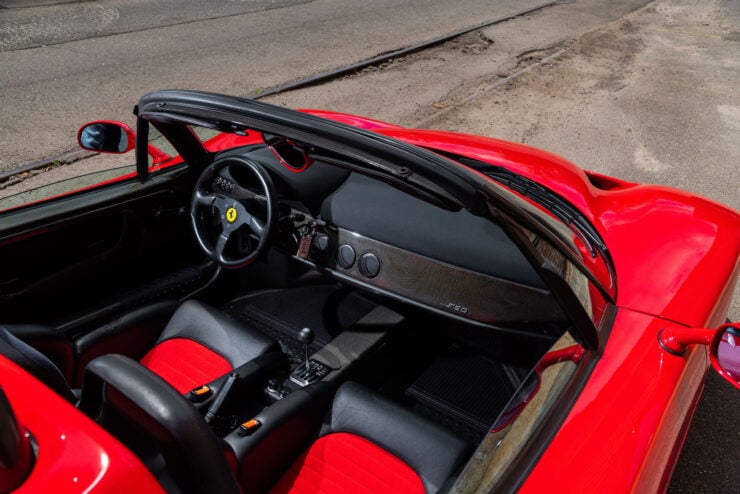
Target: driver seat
[198,345]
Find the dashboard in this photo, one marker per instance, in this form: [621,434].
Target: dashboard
[369,234]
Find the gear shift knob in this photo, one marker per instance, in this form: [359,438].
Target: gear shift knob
[306,336]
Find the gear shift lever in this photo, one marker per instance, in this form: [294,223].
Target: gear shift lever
[313,370]
[306,336]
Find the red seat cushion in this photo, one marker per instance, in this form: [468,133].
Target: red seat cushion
[347,463]
[185,364]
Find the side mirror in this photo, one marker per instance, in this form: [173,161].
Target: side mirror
[724,346]
[725,353]
[106,136]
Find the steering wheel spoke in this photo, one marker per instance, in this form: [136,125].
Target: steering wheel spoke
[220,247]
[202,198]
[257,227]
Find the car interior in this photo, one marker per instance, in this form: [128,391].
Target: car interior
[275,323]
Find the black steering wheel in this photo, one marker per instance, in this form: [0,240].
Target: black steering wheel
[233,211]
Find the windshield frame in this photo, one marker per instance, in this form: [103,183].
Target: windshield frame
[426,174]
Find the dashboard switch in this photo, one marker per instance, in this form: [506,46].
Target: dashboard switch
[369,265]
[345,256]
[322,243]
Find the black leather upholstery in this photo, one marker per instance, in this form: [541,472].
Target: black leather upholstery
[50,341]
[215,330]
[287,427]
[35,363]
[291,424]
[131,334]
[432,451]
[194,455]
[252,378]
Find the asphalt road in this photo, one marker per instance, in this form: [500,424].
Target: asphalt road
[65,63]
[645,93]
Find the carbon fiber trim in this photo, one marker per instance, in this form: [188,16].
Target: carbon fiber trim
[441,286]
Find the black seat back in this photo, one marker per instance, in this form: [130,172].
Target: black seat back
[116,385]
[434,452]
[35,363]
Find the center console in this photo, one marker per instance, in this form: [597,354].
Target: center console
[333,360]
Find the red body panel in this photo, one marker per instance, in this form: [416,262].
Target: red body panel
[221,142]
[346,118]
[74,454]
[628,424]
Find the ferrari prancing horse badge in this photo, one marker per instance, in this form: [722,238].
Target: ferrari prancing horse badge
[231,215]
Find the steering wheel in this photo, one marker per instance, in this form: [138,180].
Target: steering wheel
[233,211]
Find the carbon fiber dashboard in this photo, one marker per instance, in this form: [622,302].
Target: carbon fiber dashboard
[427,282]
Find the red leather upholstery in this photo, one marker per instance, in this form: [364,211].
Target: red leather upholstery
[200,344]
[366,443]
[346,463]
[185,364]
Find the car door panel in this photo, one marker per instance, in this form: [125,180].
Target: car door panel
[63,260]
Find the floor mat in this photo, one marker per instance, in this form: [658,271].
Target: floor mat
[326,309]
[464,391]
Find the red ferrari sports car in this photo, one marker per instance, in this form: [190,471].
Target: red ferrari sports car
[308,301]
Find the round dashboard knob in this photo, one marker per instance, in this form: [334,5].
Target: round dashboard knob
[322,243]
[345,256]
[369,265]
